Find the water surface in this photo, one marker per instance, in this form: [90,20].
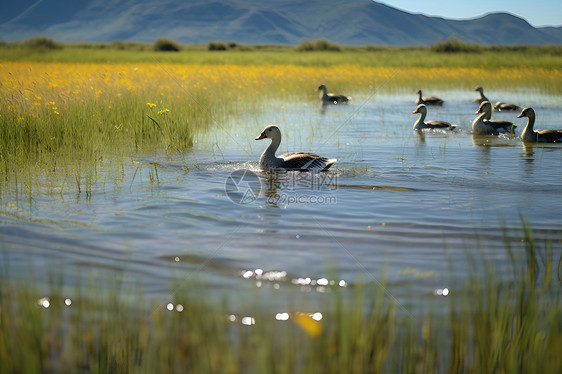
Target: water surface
[398,208]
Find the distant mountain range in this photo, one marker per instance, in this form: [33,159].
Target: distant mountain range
[349,22]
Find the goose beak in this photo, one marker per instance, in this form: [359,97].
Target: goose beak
[478,111]
[415,111]
[520,115]
[262,136]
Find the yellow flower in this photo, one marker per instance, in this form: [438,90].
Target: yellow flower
[150,105]
[164,111]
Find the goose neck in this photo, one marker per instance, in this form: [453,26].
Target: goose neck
[420,122]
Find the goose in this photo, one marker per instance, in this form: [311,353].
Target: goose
[302,161]
[420,124]
[505,106]
[537,136]
[330,98]
[481,98]
[482,125]
[428,100]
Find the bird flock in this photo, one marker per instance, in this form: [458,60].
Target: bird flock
[482,125]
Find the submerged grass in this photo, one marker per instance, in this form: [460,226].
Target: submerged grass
[508,323]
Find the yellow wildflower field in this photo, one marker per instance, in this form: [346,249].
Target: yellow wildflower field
[29,86]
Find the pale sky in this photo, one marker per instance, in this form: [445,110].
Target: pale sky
[536,12]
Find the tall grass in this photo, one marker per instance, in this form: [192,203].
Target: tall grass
[496,322]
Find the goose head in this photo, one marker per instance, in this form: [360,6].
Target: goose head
[485,107]
[527,112]
[320,88]
[271,132]
[479,89]
[420,109]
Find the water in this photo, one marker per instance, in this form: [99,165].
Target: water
[398,208]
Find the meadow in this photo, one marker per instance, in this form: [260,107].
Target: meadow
[74,119]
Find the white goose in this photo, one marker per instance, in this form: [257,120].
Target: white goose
[482,125]
[420,124]
[537,136]
[302,161]
[428,100]
[330,98]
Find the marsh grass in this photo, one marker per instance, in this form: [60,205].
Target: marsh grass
[496,322]
[67,120]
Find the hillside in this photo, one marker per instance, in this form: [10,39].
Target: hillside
[350,22]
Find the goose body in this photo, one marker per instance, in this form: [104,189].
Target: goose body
[330,98]
[480,99]
[483,125]
[302,161]
[428,100]
[537,136]
[499,106]
[420,124]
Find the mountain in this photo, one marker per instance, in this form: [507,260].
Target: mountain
[350,22]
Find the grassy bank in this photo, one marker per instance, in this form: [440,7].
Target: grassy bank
[496,322]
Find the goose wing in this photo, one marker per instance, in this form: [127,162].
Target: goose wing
[306,161]
[440,125]
[433,100]
[337,97]
[498,125]
[554,136]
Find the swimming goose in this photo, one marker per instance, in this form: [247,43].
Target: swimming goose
[330,98]
[505,106]
[482,125]
[302,161]
[537,136]
[420,124]
[481,98]
[428,100]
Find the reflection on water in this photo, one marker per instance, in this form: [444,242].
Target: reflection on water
[399,211]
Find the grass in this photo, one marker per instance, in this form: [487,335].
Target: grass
[452,53]
[496,323]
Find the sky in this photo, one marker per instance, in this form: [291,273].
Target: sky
[537,12]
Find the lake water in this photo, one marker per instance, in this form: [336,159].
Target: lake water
[397,208]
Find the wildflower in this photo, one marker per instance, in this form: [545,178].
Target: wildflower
[150,105]
[164,111]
